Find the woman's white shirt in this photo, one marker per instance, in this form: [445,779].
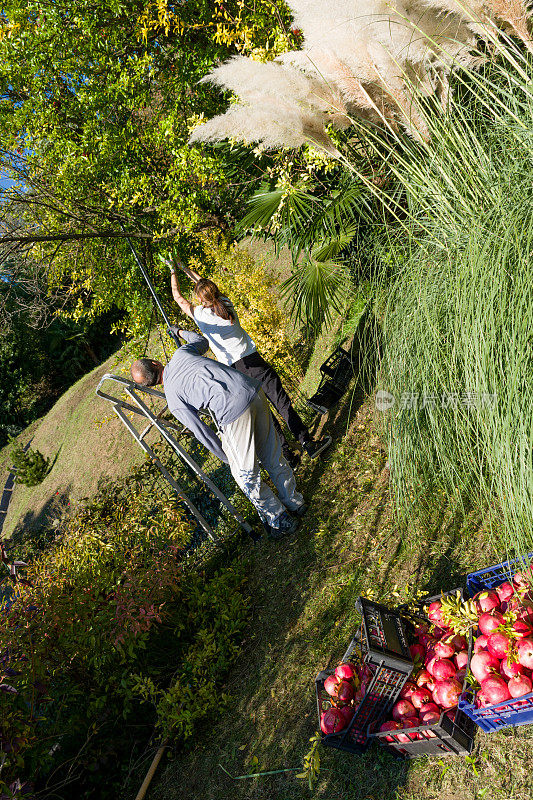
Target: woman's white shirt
[228,340]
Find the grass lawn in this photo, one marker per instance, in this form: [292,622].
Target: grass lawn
[304,589]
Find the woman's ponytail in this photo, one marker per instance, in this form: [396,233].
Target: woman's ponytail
[209,294]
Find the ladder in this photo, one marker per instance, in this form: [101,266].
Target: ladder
[168,431]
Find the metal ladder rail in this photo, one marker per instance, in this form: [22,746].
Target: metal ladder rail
[190,461]
[166,474]
[130,387]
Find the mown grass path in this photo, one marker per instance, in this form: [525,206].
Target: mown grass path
[304,589]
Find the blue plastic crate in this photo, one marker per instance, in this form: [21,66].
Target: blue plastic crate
[490,577]
[510,713]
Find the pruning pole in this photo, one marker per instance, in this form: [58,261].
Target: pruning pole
[150,774]
[151,287]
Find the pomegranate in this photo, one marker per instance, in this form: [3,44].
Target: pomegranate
[435,612]
[391,725]
[505,591]
[498,643]
[423,677]
[480,643]
[519,686]
[444,650]
[345,672]
[427,641]
[420,697]
[410,722]
[403,708]
[483,664]
[522,579]
[418,652]
[482,701]
[430,664]
[489,621]
[438,633]
[429,707]
[330,685]
[443,669]
[430,717]
[460,675]
[461,659]
[446,693]
[508,669]
[332,721]
[345,691]
[408,690]
[487,600]
[457,642]
[522,629]
[495,689]
[347,712]
[524,649]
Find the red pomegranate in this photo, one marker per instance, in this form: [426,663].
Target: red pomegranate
[490,621]
[418,652]
[495,689]
[461,659]
[420,697]
[480,643]
[444,650]
[423,677]
[429,707]
[487,600]
[446,693]
[330,685]
[347,712]
[519,686]
[332,721]
[505,591]
[345,691]
[483,664]
[508,669]
[435,612]
[443,669]
[498,643]
[408,690]
[524,649]
[345,672]
[403,708]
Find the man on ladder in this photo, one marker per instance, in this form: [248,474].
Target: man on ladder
[240,410]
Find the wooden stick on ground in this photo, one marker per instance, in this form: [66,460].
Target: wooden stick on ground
[150,774]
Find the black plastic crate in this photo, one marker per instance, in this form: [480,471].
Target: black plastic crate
[445,737]
[337,372]
[338,367]
[381,643]
[384,632]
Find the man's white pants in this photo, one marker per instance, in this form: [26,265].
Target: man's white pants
[251,441]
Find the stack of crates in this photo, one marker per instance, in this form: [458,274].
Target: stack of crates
[382,645]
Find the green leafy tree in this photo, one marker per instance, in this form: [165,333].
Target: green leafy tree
[96,107]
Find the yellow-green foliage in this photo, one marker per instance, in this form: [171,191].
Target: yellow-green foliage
[254,293]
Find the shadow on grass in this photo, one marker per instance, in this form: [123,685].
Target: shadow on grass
[36,529]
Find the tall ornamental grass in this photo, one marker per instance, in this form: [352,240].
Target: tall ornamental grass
[458,304]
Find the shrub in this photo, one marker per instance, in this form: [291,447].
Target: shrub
[113,606]
[30,465]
